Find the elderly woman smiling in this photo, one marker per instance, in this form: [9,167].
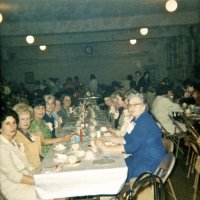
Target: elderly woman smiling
[31,142]
[143,140]
[15,171]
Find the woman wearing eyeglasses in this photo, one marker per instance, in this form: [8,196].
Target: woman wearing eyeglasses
[143,140]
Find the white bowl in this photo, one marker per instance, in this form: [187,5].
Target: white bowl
[59,147]
[60,160]
[103,129]
[61,156]
[89,155]
[72,159]
[80,153]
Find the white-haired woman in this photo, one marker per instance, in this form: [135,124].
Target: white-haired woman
[143,140]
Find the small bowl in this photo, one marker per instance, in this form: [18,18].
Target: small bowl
[72,159]
[89,155]
[103,129]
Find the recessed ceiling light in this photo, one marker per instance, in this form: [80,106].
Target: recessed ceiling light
[171,5]
[1,17]
[133,41]
[30,39]
[144,31]
[43,47]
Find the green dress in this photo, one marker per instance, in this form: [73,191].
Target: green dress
[40,126]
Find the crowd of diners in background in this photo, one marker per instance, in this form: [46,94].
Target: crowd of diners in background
[36,119]
[13,92]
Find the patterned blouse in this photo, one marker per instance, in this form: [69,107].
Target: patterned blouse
[40,126]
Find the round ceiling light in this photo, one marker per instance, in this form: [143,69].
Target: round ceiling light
[1,17]
[144,31]
[171,5]
[30,39]
[43,47]
[133,41]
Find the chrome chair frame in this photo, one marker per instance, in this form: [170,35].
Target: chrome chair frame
[164,170]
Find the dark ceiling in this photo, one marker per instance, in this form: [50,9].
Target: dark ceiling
[15,11]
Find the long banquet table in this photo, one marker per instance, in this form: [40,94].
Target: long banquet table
[105,174]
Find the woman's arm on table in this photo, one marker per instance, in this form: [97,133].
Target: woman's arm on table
[117,149]
[46,141]
[27,180]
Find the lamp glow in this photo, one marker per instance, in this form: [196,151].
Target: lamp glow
[171,5]
[1,17]
[30,39]
[43,47]
[144,31]
[133,41]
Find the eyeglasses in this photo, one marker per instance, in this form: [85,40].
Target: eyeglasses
[134,104]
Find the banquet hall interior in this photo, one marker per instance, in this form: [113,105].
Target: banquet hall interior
[42,40]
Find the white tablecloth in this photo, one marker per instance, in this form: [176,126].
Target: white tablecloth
[81,179]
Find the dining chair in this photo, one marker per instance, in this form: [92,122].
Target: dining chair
[164,170]
[168,145]
[193,149]
[178,135]
[196,180]
[175,138]
[195,152]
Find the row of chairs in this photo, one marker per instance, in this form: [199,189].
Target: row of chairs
[190,138]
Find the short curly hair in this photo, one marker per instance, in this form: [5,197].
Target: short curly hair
[23,108]
[7,112]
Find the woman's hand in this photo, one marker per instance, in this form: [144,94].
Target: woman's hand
[66,138]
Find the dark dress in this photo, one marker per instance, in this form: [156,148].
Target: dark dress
[50,119]
[120,110]
[145,144]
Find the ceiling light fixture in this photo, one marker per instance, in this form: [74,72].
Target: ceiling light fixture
[43,47]
[133,41]
[1,17]
[144,31]
[30,39]
[171,5]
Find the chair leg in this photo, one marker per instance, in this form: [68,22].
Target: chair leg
[171,188]
[190,165]
[188,154]
[195,186]
[193,164]
[177,147]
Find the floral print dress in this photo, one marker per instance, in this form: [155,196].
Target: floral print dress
[41,126]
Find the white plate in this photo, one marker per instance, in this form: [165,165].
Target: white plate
[60,160]
[59,147]
[110,144]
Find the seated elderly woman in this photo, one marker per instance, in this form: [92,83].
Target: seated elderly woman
[162,108]
[31,142]
[15,171]
[143,140]
[66,110]
[40,128]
